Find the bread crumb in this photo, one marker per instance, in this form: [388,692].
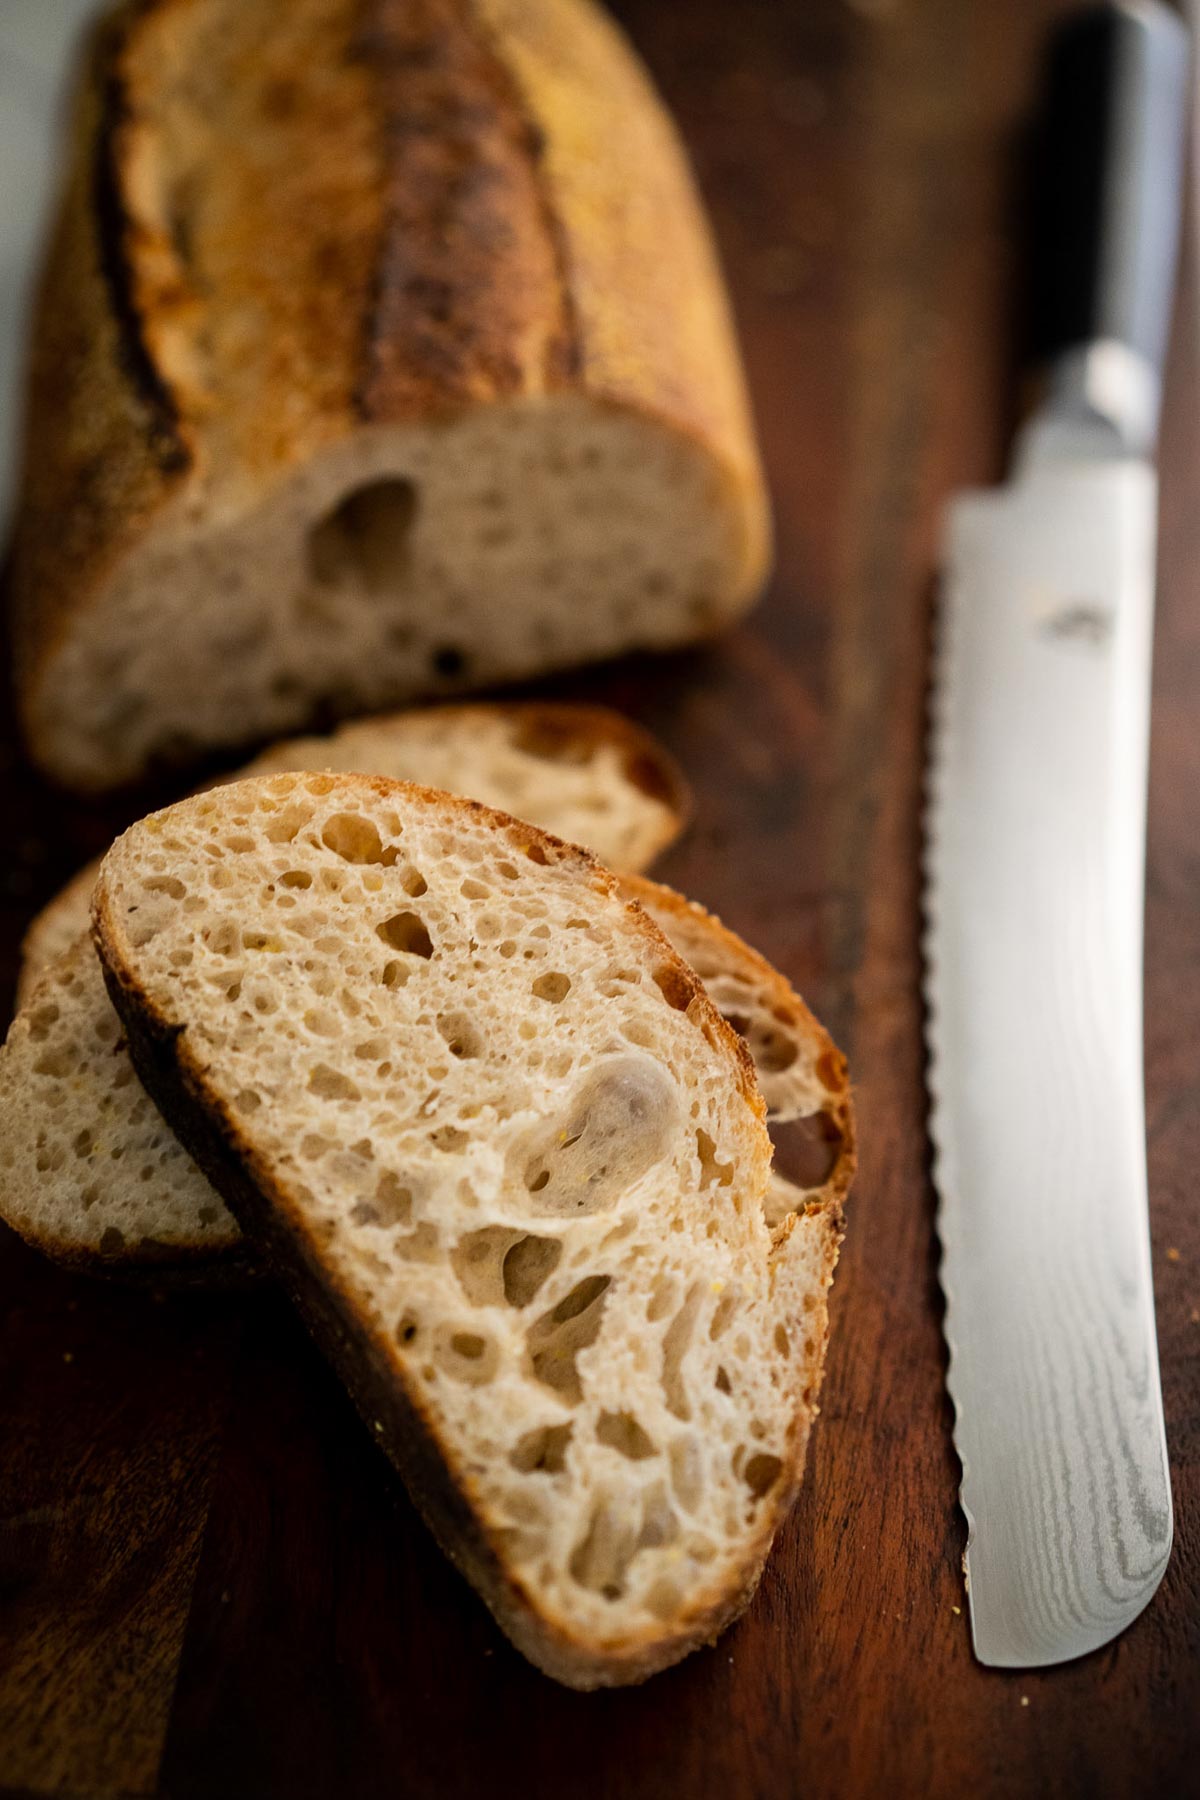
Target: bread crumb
[1172,1254]
[68,1356]
[957,1611]
[1024,1699]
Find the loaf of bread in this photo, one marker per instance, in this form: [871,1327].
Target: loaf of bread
[580,772]
[539,1257]
[381,350]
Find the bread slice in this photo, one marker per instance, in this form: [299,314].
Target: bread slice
[381,351]
[90,1174]
[512,1164]
[581,772]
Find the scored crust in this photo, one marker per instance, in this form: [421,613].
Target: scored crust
[192,1077]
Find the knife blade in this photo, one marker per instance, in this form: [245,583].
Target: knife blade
[1034,862]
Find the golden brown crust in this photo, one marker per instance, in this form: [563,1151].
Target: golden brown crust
[366,1359]
[645,288]
[505,212]
[103,449]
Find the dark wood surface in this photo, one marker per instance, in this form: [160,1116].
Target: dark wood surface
[210,1583]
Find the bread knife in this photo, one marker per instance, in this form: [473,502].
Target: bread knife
[1035,844]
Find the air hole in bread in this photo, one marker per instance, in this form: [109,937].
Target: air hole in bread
[463,1038]
[617,1127]
[773,1050]
[406,931]
[677,988]
[407,1329]
[761,1473]
[465,1355]
[223,938]
[676,1343]
[552,739]
[556,1339]
[723,1312]
[331,1084]
[449,662]
[166,884]
[365,541]
[687,1472]
[112,1241]
[527,1266]
[391,1204]
[781,1341]
[296,878]
[601,1558]
[659,1523]
[356,840]
[421,1246]
[722,1384]
[394,974]
[543,1450]
[553,987]
[711,1170]
[622,1433]
[807,1150]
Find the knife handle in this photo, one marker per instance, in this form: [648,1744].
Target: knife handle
[1108,184]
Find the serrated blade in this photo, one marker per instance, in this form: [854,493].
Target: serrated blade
[1035,852]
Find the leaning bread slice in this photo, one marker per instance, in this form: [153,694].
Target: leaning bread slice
[92,1175]
[582,772]
[511,1162]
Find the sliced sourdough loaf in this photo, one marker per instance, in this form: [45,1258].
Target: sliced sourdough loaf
[512,1164]
[381,350]
[581,772]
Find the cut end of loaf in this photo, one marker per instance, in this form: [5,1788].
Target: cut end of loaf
[406,562]
[493,1130]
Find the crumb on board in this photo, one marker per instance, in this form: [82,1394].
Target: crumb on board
[1172,1254]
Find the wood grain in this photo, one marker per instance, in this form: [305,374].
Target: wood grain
[861,164]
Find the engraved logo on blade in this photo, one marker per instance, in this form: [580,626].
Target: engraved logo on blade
[1079,622]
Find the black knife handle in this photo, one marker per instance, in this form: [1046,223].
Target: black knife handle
[1107,181]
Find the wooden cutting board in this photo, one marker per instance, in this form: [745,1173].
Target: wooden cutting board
[210,1583]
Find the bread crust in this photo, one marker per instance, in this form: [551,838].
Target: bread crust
[475,240]
[175,1079]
